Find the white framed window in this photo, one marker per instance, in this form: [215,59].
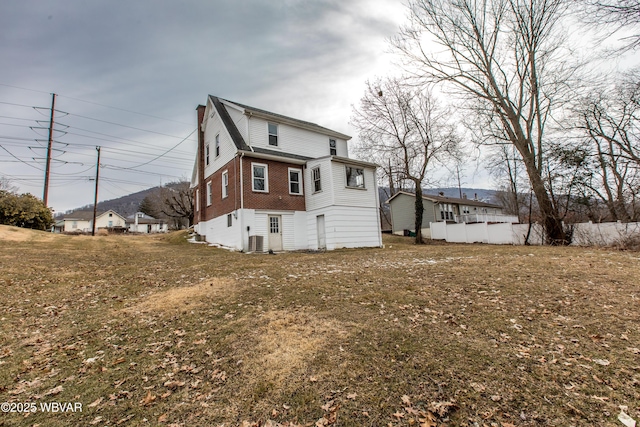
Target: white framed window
[295,181]
[273,134]
[74,224]
[333,148]
[197,200]
[217,145]
[229,220]
[225,184]
[259,177]
[355,177]
[206,155]
[446,212]
[209,193]
[315,174]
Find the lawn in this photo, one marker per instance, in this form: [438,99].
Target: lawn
[148,331]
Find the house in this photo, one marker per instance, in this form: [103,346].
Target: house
[143,223]
[82,221]
[263,181]
[441,208]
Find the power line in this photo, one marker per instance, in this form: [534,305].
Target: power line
[120,124]
[20,160]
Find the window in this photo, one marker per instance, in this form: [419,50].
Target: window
[229,220]
[333,149]
[110,224]
[295,184]
[206,155]
[355,177]
[273,134]
[110,215]
[446,211]
[225,184]
[217,145]
[315,173]
[259,177]
[74,224]
[209,193]
[274,224]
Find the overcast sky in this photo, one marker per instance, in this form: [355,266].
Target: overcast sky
[155,61]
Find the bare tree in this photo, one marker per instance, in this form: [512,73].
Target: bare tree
[405,128]
[609,121]
[177,201]
[614,16]
[503,57]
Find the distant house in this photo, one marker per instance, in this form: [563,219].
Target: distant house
[441,208]
[142,223]
[263,181]
[82,221]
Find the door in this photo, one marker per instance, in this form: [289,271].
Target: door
[275,232]
[322,238]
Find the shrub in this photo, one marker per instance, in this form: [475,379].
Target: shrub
[25,211]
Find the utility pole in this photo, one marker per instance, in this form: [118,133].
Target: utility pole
[95,200]
[459,184]
[45,197]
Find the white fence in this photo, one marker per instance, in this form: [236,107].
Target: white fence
[584,234]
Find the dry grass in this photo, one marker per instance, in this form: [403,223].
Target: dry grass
[148,330]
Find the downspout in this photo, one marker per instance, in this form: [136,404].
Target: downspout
[378,208]
[242,204]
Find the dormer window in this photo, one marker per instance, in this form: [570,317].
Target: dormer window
[273,134]
[333,150]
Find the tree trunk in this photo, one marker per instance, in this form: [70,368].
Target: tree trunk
[419,209]
[551,219]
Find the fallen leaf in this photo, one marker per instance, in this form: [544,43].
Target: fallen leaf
[96,420]
[603,362]
[406,400]
[162,418]
[398,415]
[148,399]
[54,391]
[352,396]
[95,403]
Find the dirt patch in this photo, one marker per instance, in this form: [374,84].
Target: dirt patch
[17,234]
[184,297]
[287,342]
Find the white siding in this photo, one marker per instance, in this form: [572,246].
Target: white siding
[322,198]
[346,196]
[240,120]
[345,227]
[217,232]
[213,127]
[293,140]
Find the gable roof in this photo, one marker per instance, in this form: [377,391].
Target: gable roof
[237,137]
[235,134]
[453,200]
[87,215]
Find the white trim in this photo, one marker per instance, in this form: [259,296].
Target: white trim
[300,183]
[225,188]
[266,177]
[277,135]
[209,193]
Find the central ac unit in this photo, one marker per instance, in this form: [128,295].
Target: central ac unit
[255,244]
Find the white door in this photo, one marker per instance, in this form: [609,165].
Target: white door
[275,232]
[322,238]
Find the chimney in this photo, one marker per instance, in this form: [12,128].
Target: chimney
[475,196]
[201,186]
[464,196]
[441,194]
